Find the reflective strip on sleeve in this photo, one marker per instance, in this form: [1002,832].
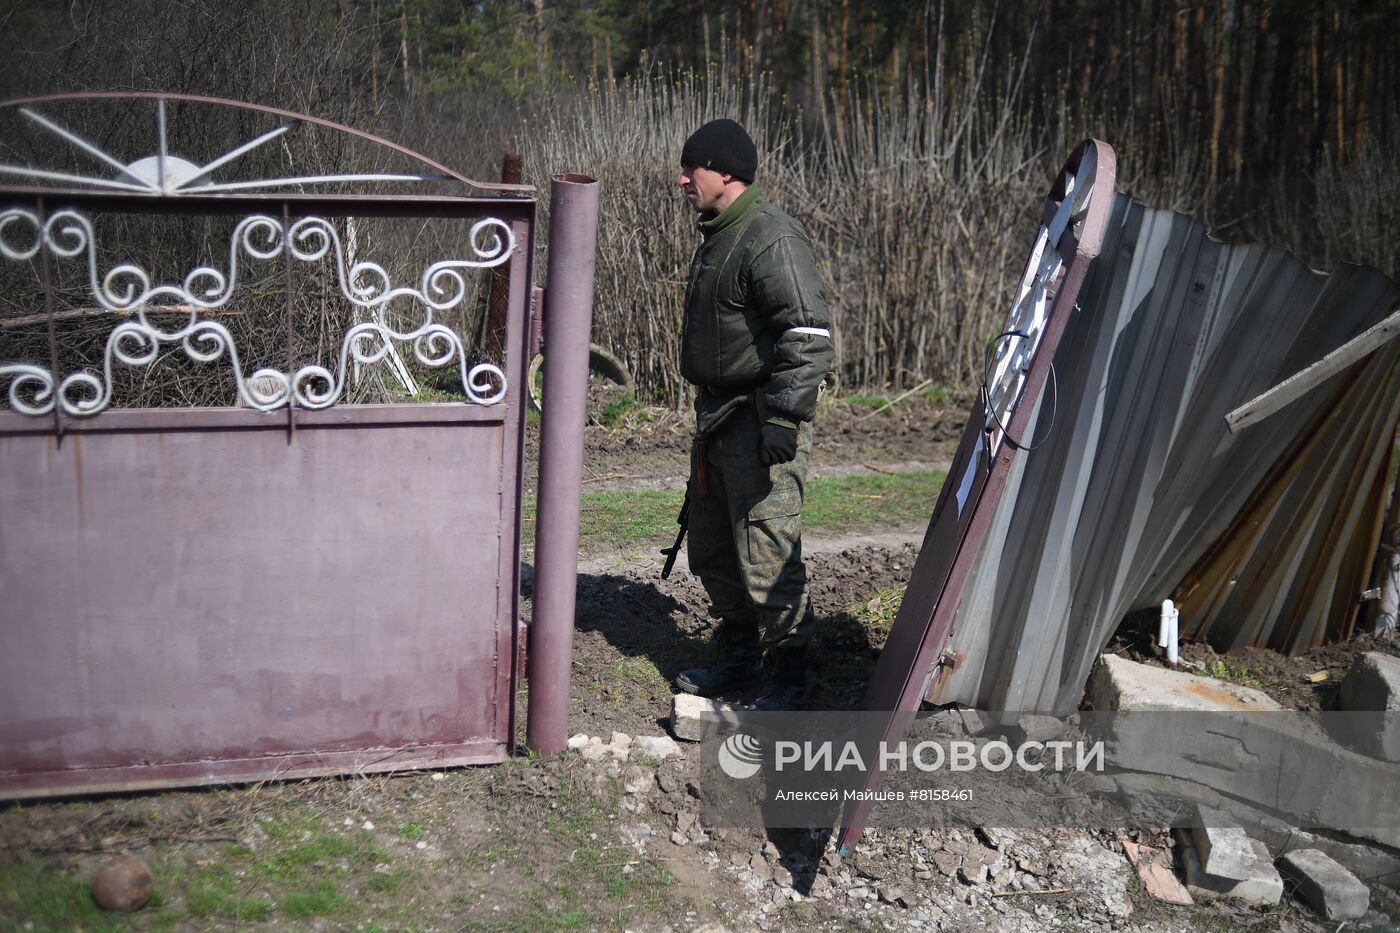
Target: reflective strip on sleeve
[816,331]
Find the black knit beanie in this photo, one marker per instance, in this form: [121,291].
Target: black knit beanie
[722,145]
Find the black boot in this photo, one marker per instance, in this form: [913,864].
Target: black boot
[789,681]
[737,667]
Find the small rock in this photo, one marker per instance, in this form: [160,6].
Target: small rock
[868,867]
[621,740]
[770,851]
[577,742]
[666,780]
[891,895]
[1324,885]
[760,869]
[367,826]
[655,746]
[858,893]
[946,862]
[636,780]
[123,883]
[595,750]
[923,874]
[613,770]
[695,719]
[1041,728]
[974,873]
[438,776]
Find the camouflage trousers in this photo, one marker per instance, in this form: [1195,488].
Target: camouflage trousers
[745,537]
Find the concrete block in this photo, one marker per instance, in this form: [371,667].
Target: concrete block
[1263,888]
[1224,849]
[1240,743]
[695,719]
[655,746]
[1122,685]
[1370,694]
[1324,885]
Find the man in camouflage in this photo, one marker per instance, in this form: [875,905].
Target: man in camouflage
[757,345]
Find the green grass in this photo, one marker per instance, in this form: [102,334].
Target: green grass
[618,409]
[301,869]
[1222,669]
[616,520]
[938,394]
[871,500]
[39,892]
[877,614]
[873,402]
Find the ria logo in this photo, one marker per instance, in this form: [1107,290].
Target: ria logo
[740,756]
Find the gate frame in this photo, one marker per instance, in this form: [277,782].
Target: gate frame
[519,213]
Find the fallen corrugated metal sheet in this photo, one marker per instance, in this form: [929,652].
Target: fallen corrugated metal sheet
[1140,493]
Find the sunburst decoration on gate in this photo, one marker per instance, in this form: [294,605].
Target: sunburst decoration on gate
[127,288]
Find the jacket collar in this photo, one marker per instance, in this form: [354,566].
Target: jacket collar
[744,205]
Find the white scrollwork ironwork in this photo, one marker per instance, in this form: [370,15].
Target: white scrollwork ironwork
[1016,346]
[136,341]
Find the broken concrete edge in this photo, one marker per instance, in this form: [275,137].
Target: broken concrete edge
[1371,693]
[1120,685]
[1340,788]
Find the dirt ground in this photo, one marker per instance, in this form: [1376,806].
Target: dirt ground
[568,843]
[648,448]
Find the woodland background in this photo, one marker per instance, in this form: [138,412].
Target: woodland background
[915,140]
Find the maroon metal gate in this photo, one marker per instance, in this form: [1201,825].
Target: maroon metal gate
[279,588]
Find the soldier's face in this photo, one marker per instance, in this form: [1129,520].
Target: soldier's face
[704,188]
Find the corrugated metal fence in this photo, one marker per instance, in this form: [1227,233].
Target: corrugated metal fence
[1140,492]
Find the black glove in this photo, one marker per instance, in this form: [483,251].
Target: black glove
[777,443]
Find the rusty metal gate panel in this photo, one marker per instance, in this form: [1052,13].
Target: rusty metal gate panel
[1019,363]
[286,588]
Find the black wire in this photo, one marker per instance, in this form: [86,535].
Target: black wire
[987,394]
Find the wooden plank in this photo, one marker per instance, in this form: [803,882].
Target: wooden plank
[1154,868]
[1300,383]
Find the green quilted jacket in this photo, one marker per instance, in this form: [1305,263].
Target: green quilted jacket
[755,311]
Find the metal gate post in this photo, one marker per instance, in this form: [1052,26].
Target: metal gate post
[568,317]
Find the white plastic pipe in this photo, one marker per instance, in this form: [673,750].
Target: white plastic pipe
[1167,631]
